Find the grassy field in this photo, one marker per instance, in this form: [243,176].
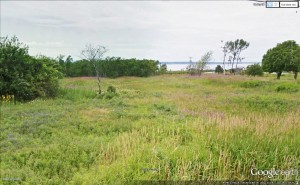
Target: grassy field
[170,127]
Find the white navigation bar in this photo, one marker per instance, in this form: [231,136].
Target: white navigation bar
[289,4]
[282,4]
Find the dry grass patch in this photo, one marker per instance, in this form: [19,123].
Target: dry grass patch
[94,113]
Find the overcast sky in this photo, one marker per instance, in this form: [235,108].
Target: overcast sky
[160,30]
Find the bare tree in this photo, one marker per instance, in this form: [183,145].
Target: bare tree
[239,60]
[229,61]
[202,63]
[94,54]
[198,67]
[225,51]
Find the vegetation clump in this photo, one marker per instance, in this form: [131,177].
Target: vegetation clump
[113,67]
[111,89]
[267,104]
[219,69]
[254,84]
[26,77]
[110,93]
[287,88]
[254,70]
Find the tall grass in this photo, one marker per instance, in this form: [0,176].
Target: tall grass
[170,127]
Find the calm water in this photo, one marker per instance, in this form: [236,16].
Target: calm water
[178,66]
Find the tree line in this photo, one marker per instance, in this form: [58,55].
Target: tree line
[110,67]
[284,56]
[24,77]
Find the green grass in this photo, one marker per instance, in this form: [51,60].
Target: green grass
[168,127]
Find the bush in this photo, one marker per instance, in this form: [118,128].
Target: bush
[253,84]
[254,70]
[111,89]
[270,104]
[23,76]
[107,95]
[110,93]
[287,88]
[219,69]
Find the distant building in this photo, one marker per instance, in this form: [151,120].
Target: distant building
[238,70]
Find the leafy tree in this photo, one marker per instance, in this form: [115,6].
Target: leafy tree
[235,48]
[82,68]
[296,61]
[46,76]
[219,69]
[254,70]
[62,64]
[23,76]
[294,64]
[283,57]
[94,54]
[68,64]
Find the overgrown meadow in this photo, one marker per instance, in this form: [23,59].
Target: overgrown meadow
[168,127]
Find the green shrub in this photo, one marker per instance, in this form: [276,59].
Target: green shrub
[254,84]
[270,104]
[254,70]
[23,76]
[23,90]
[287,88]
[219,69]
[109,95]
[162,107]
[111,89]
[243,72]
[165,108]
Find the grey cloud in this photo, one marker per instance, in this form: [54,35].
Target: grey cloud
[171,30]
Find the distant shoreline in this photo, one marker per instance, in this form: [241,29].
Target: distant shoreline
[179,66]
[217,63]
